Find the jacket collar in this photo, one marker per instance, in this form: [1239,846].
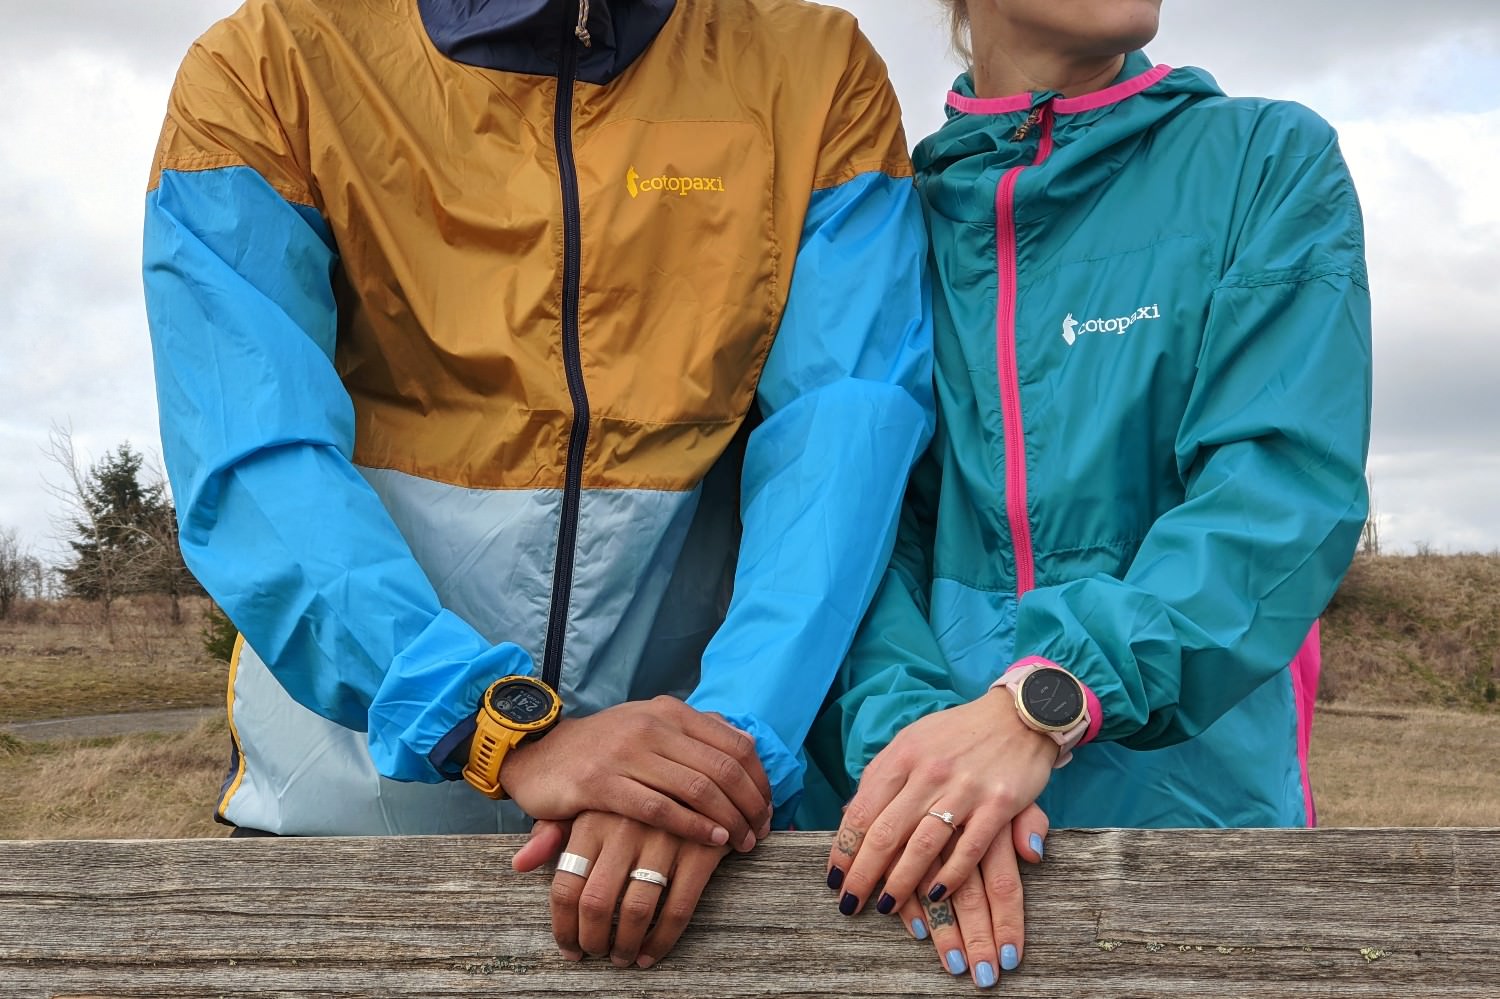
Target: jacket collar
[1136,74]
[1092,137]
[525,36]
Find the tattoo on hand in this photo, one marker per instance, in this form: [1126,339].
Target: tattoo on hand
[848,841]
[938,914]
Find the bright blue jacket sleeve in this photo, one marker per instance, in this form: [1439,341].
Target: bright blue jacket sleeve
[257,433]
[848,405]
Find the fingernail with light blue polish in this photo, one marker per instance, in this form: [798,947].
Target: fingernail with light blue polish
[955,962]
[984,975]
[1036,844]
[1010,958]
[919,929]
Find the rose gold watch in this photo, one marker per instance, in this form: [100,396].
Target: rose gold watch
[1050,700]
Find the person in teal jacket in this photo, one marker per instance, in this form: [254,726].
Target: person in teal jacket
[1154,375]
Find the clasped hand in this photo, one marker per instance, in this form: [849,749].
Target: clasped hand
[940,819]
[648,798]
[659,762]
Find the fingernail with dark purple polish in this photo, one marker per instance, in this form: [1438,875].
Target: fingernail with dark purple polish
[848,904]
[835,878]
[886,904]
[938,891]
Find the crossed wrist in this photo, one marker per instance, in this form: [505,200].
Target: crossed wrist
[1052,702]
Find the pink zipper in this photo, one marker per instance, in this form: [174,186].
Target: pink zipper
[1005,353]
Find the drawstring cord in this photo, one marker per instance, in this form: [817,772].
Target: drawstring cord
[582,31]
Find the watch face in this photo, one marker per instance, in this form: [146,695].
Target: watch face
[1053,697]
[521,702]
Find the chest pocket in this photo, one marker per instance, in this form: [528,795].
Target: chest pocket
[679,287]
[1107,348]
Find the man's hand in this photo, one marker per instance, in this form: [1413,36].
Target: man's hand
[583,908]
[659,762]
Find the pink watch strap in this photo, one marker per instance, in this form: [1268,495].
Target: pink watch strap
[1072,738]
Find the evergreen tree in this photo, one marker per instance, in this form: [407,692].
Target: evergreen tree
[114,531]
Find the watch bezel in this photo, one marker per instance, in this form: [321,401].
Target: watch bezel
[546,721]
[1043,724]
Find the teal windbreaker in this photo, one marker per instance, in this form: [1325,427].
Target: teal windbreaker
[1153,370]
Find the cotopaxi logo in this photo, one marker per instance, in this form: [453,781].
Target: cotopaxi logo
[1072,329]
[672,184]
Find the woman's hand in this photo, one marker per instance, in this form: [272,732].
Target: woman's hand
[584,907]
[979,926]
[977,764]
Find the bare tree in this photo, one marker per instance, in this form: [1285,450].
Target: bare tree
[164,570]
[1369,535]
[15,567]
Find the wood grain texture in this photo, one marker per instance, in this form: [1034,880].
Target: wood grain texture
[1112,913]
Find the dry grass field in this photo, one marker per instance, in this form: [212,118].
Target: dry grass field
[55,662]
[1408,734]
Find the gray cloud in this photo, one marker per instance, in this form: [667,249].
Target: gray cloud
[73,160]
[150,37]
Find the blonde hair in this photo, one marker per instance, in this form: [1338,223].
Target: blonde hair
[958,16]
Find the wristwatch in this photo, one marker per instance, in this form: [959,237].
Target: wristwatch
[513,710]
[1050,700]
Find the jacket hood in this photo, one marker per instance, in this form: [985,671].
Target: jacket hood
[1091,134]
[525,36]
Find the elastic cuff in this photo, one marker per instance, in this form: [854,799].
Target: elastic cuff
[430,692]
[783,768]
[443,756]
[1090,699]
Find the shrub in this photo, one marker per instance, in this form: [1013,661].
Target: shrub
[219,634]
[10,745]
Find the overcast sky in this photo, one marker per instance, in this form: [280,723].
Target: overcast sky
[1414,90]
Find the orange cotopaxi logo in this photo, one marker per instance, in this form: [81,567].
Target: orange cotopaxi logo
[672,184]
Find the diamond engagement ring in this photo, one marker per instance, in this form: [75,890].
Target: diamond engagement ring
[946,818]
[646,874]
[574,864]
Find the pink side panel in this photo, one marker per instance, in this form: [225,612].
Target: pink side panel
[1305,669]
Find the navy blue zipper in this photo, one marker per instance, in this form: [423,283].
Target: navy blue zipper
[567,531]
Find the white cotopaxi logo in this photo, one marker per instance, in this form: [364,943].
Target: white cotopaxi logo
[1072,329]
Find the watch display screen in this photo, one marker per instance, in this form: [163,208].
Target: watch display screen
[520,702]
[1052,697]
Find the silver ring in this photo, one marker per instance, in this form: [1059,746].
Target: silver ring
[574,864]
[646,874]
[946,818]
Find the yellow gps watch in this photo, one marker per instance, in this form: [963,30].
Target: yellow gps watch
[512,710]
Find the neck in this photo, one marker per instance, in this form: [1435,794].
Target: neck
[1000,70]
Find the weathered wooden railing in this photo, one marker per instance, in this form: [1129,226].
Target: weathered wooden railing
[1387,913]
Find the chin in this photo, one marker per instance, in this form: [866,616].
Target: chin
[1132,25]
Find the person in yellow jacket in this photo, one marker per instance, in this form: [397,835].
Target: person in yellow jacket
[569,357]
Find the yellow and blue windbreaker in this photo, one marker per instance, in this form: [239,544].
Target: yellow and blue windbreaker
[490,340]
